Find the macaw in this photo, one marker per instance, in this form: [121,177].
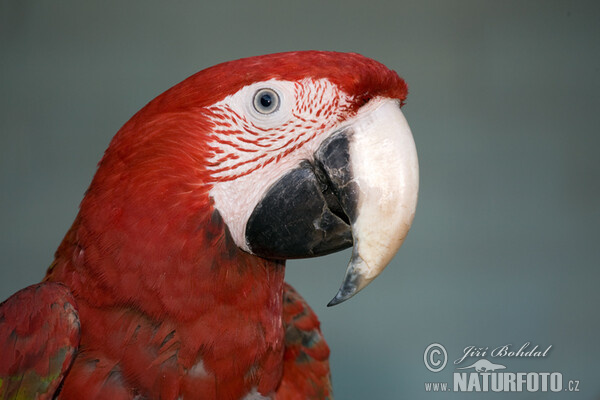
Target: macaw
[170,282]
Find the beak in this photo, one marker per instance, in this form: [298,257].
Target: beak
[360,189]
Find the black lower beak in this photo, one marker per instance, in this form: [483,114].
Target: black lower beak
[308,212]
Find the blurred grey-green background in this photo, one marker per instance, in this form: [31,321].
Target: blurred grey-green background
[504,105]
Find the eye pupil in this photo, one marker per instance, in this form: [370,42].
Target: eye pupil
[266,101]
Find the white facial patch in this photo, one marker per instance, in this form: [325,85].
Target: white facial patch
[252,150]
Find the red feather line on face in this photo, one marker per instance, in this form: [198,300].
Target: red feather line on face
[255,147]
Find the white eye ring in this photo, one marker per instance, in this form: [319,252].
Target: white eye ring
[266,101]
[246,102]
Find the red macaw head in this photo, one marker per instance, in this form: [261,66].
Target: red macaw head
[300,154]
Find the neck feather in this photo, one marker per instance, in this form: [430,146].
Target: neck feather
[171,263]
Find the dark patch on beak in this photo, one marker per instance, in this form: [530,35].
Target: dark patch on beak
[333,158]
[308,211]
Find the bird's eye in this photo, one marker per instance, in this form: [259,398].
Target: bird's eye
[266,101]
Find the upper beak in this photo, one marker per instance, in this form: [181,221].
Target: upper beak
[359,190]
[385,175]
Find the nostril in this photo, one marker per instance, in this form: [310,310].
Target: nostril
[365,99]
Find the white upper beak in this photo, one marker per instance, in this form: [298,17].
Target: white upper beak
[385,169]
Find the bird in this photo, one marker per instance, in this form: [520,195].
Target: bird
[170,282]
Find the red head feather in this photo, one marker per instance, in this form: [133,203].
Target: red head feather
[355,74]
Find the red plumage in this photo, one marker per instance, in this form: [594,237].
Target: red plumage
[306,358]
[39,335]
[169,306]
